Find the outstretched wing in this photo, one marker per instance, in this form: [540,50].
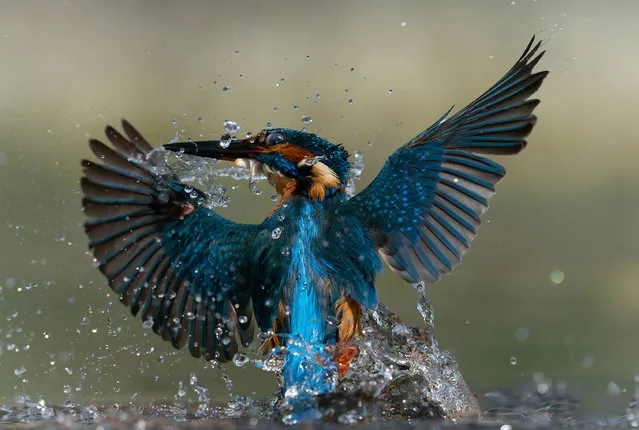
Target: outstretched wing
[169,257]
[424,207]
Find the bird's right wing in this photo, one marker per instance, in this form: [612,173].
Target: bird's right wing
[167,255]
[424,207]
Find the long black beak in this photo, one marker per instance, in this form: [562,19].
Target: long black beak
[229,150]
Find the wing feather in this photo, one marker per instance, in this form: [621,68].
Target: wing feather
[169,257]
[425,206]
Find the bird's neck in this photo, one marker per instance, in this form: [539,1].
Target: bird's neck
[315,189]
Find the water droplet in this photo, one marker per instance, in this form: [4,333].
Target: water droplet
[522,334]
[403,24]
[240,359]
[243,319]
[513,361]
[181,390]
[148,323]
[588,361]
[203,398]
[557,277]
[264,335]
[307,119]
[226,89]
[200,119]
[253,187]
[543,388]
[296,107]
[308,57]
[276,233]
[225,140]
[613,389]
[390,91]
[193,379]
[311,161]
[286,250]
[19,371]
[231,127]
[350,101]
[275,197]
[66,389]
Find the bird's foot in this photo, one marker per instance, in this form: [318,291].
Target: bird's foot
[345,354]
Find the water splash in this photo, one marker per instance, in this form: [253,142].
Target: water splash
[231,127]
[355,172]
[401,373]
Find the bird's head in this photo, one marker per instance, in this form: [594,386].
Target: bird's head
[294,161]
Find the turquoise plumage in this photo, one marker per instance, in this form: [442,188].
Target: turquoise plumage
[305,273]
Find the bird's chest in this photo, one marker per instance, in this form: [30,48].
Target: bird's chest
[301,250]
[312,255]
[305,275]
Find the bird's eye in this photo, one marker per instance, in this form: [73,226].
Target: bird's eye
[274,138]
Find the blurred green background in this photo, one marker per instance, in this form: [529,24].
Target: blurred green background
[568,206]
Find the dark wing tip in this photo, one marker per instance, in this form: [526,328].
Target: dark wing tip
[530,50]
[136,138]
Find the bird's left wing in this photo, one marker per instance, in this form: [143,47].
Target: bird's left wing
[167,255]
[424,207]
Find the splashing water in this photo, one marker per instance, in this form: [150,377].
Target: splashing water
[195,171]
[399,374]
[355,172]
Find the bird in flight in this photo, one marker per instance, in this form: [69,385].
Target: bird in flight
[305,274]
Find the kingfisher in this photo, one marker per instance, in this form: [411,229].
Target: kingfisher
[305,274]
